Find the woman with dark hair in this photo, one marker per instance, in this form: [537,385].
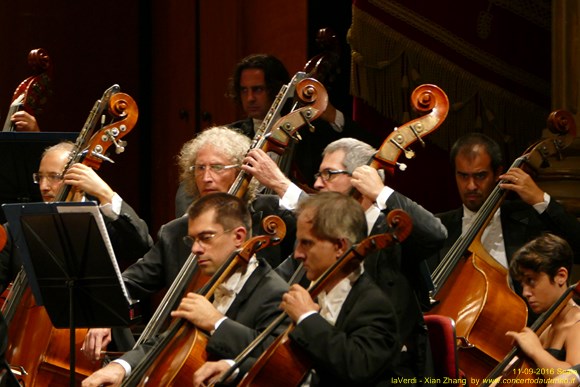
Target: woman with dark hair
[543,267]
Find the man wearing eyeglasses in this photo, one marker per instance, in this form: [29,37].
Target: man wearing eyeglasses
[129,234]
[208,163]
[243,305]
[401,271]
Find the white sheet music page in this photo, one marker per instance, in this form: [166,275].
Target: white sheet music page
[94,210]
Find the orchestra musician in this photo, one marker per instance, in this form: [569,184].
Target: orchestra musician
[395,270]
[478,165]
[209,163]
[253,86]
[350,332]
[543,267]
[129,234]
[243,305]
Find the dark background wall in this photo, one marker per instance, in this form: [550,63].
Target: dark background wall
[174,58]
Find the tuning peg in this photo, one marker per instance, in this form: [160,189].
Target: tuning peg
[120,146]
[401,166]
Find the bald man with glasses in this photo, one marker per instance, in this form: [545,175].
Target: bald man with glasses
[129,234]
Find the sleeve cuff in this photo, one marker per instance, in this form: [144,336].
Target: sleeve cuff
[291,197]
[234,374]
[338,124]
[217,324]
[541,206]
[125,365]
[304,316]
[385,194]
[112,210]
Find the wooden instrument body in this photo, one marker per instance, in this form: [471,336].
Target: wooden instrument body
[478,297]
[41,350]
[182,356]
[473,287]
[284,355]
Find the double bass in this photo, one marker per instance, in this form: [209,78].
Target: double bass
[32,93]
[38,353]
[274,134]
[472,287]
[180,351]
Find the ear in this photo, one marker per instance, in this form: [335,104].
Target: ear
[240,234]
[561,276]
[341,246]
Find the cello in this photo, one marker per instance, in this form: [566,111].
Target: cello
[37,352]
[283,363]
[32,93]
[472,287]
[181,350]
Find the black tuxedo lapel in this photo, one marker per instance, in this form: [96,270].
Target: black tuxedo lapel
[380,226]
[247,290]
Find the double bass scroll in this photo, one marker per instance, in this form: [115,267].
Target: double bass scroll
[434,104]
[32,93]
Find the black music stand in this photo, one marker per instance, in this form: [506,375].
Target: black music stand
[71,266]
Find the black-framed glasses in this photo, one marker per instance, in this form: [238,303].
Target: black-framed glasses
[52,177]
[327,174]
[199,169]
[204,238]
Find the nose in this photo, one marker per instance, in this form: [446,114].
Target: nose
[44,185]
[318,183]
[471,185]
[299,253]
[207,175]
[526,291]
[197,248]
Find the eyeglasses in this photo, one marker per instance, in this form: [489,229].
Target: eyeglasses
[204,239]
[51,177]
[213,168]
[327,174]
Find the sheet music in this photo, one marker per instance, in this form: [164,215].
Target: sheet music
[94,210]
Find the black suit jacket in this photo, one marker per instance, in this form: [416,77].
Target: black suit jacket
[362,349]
[253,309]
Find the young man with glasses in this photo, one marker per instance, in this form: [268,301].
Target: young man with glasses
[129,234]
[401,271]
[243,305]
[215,155]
